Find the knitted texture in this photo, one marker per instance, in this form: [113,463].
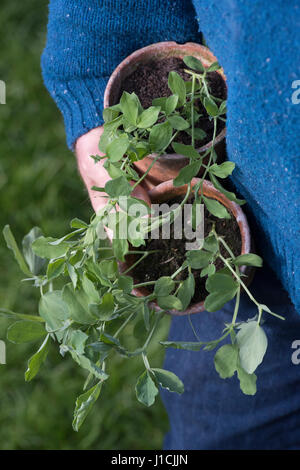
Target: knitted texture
[87,39]
[257,44]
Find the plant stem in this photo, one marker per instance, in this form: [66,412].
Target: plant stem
[192,326]
[146,362]
[192,108]
[237,304]
[136,263]
[238,279]
[154,161]
[123,325]
[158,318]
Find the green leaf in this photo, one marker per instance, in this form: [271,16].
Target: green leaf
[216,300]
[252,342]
[73,274]
[193,63]
[37,360]
[178,123]
[199,134]
[77,302]
[148,117]
[160,136]
[211,244]
[213,67]
[187,173]
[163,286]
[112,170]
[222,288]
[211,107]
[116,149]
[84,404]
[160,102]
[130,107]
[220,282]
[53,310]
[125,283]
[226,359]
[146,315]
[223,107]
[120,248]
[109,268]
[118,187]
[105,309]
[208,271]
[168,380]
[44,248]
[34,262]
[231,196]
[186,150]
[248,259]
[77,341]
[216,208]
[111,113]
[198,259]
[177,86]
[25,331]
[109,133]
[170,104]
[169,302]
[146,389]
[88,365]
[247,381]
[77,223]
[186,291]
[90,289]
[12,245]
[55,268]
[223,170]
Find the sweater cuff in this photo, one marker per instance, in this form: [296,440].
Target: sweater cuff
[80,102]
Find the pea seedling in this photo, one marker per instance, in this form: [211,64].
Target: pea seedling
[86,300]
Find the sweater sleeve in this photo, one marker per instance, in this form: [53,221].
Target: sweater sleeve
[87,39]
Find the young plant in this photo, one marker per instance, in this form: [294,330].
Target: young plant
[86,299]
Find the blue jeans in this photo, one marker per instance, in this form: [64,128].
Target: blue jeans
[213,413]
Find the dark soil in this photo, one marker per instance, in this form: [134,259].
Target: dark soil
[172,254]
[150,81]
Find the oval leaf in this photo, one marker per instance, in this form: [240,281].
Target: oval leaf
[216,208]
[25,331]
[37,360]
[146,389]
[252,342]
[168,380]
[226,359]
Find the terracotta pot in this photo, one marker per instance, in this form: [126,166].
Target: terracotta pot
[166,191]
[168,165]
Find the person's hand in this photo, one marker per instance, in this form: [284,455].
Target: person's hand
[94,174]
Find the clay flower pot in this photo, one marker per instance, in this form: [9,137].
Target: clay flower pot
[168,165]
[166,191]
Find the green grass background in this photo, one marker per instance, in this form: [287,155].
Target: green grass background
[39,185]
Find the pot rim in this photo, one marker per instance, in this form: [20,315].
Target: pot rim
[165,191]
[164,48]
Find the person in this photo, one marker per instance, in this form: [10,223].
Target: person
[257,44]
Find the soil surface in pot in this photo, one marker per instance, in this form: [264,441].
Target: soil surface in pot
[150,81]
[172,254]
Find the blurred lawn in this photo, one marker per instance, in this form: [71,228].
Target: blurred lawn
[40,186]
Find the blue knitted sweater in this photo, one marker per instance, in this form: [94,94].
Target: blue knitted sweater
[256,42]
